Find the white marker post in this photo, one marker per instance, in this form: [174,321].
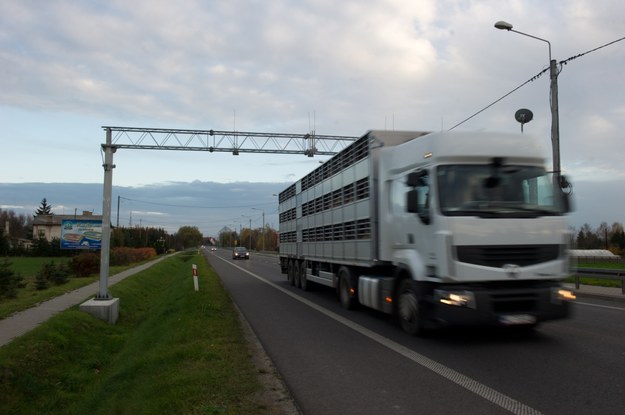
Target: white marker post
[195,282]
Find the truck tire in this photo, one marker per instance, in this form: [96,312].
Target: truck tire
[347,294]
[298,274]
[409,308]
[303,282]
[291,272]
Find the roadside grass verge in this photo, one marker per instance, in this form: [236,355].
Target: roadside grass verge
[599,282]
[173,350]
[29,296]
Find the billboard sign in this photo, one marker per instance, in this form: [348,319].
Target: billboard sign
[81,234]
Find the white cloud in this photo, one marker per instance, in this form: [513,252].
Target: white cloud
[67,68]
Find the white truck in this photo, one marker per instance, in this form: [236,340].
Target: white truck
[439,229]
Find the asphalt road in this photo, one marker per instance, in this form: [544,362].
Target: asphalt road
[357,362]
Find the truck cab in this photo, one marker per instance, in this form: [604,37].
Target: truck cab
[479,228]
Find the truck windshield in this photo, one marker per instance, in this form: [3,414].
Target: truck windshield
[493,190]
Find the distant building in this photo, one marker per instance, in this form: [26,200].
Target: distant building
[49,226]
[591,253]
[15,242]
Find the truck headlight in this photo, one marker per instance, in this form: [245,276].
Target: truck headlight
[455,298]
[559,294]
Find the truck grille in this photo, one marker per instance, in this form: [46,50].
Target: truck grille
[514,303]
[498,256]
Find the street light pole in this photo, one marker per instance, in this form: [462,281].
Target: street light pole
[553,98]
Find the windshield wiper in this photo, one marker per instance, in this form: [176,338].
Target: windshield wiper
[495,210]
[518,208]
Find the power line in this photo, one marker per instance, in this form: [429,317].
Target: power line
[504,96]
[564,62]
[538,75]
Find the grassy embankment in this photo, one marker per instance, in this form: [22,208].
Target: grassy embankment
[173,350]
[29,296]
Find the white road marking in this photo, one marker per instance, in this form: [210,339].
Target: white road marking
[599,305]
[472,385]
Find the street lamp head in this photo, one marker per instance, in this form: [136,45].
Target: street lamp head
[501,25]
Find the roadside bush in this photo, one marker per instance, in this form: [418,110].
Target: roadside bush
[127,256]
[121,255]
[51,272]
[9,280]
[85,264]
[144,254]
[88,263]
[60,274]
[41,281]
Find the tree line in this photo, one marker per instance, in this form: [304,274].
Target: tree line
[604,236]
[17,239]
[15,228]
[259,239]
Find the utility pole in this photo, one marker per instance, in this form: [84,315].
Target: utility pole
[263,232]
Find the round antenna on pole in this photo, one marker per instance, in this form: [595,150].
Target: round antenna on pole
[523,116]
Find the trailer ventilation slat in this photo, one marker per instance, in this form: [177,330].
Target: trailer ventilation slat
[287,194]
[337,198]
[288,215]
[356,151]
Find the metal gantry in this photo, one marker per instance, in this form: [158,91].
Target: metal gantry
[234,142]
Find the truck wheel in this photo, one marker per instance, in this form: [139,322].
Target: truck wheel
[298,274]
[303,282]
[409,309]
[347,294]
[291,272]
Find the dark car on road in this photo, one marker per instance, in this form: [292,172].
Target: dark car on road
[240,252]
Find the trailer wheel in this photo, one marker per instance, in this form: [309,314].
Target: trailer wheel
[409,309]
[347,294]
[291,271]
[303,282]
[298,274]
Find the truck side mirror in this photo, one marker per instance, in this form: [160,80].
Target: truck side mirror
[417,199]
[566,202]
[412,201]
[416,179]
[566,188]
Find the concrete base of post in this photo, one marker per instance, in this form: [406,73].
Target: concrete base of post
[107,310]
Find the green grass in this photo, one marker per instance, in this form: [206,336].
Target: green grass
[607,265]
[173,350]
[29,296]
[599,282]
[29,266]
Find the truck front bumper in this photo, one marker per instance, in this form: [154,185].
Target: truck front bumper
[500,306]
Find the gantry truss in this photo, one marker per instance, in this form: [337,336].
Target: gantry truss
[234,142]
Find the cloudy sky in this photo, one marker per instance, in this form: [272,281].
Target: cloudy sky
[338,67]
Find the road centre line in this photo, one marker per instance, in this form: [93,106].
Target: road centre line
[483,391]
